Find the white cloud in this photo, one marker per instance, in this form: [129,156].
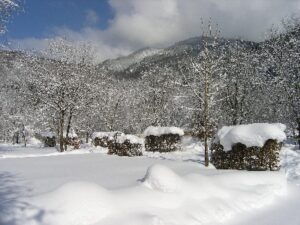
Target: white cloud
[91,17]
[158,23]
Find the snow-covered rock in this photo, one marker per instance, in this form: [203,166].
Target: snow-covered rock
[158,131]
[250,135]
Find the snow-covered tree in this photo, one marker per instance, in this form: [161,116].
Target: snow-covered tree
[242,82]
[7,7]
[206,78]
[281,54]
[60,83]
[158,91]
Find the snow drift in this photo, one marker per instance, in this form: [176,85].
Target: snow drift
[163,197]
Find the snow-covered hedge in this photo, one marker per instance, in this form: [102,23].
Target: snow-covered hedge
[159,131]
[251,147]
[163,139]
[102,138]
[48,138]
[104,134]
[129,138]
[126,145]
[250,135]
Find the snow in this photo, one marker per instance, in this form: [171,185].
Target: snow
[119,138]
[136,57]
[250,135]
[34,142]
[162,179]
[104,134]
[76,203]
[96,189]
[131,138]
[291,164]
[48,134]
[71,134]
[158,131]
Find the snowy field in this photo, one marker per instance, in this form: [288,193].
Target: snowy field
[88,187]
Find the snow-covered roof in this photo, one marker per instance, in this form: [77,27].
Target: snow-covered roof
[131,138]
[104,134]
[251,134]
[158,131]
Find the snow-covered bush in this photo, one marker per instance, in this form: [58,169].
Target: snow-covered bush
[22,135]
[126,145]
[163,139]
[48,138]
[102,138]
[250,147]
[72,139]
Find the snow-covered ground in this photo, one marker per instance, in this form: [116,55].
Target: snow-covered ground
[88,187]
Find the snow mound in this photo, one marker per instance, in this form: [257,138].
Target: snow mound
[76,203]
[163,179]
[158,131]
[250,135]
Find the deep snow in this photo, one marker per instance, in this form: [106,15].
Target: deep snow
[41,186]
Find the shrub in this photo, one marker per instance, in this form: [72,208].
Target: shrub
[102,139]
[243,158]
[163,143]
[125,145]
[163,139]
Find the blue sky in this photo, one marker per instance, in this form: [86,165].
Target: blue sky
[40,17]
[119,27]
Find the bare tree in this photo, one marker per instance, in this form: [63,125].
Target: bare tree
[206,80]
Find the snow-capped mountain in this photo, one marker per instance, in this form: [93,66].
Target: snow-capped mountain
[135,64]
[124,62]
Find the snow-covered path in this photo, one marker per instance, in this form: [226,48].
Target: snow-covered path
[89,187]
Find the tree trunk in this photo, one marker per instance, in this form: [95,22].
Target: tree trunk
[206,123]
[236,104]
[87,137]
[17,138]
[24,135]
[61,130]
[298,120]
[68,129]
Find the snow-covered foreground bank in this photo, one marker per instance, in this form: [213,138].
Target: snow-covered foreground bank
[40,186]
